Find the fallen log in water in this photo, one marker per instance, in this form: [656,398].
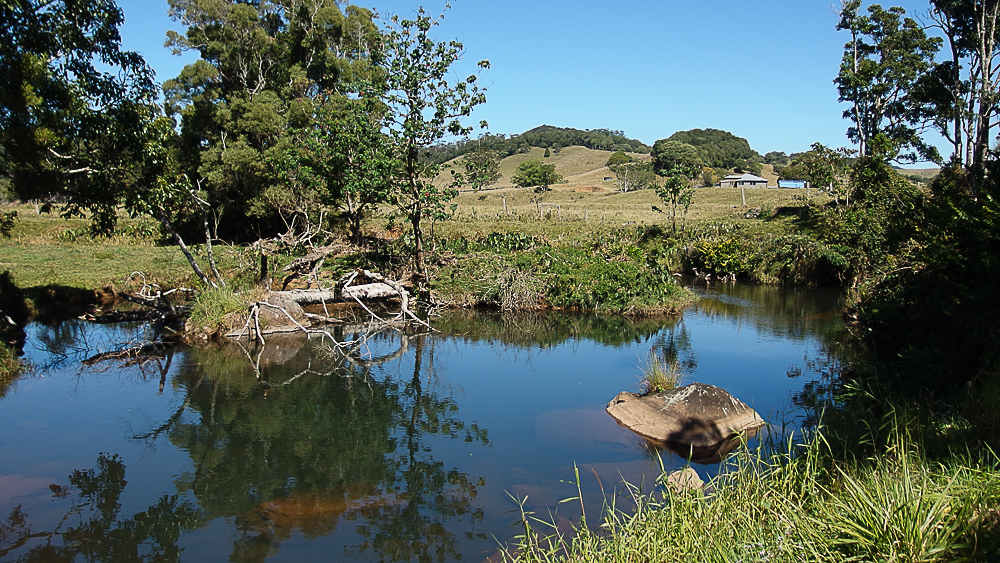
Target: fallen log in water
[148,350]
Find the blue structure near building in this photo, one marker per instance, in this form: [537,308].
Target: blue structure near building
[794,184]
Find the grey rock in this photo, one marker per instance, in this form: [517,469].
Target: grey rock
[274,319]
[685,480]
[698,421]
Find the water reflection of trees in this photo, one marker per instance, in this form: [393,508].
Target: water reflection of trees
[338,444]
[534,329]
[673,347]
[93,528]
[778,311]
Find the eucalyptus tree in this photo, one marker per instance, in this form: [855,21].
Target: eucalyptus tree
[423,108]
[262,66]
[73,104]
[882,64]
[960,96]
[630,174]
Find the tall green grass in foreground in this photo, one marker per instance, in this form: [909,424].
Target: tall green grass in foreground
[800,506]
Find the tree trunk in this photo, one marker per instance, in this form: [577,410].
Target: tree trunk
[184,249]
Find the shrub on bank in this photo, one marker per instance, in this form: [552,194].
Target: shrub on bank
[512,272]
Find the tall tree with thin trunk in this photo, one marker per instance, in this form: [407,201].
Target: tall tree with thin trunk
[960,96]
[883,60]
[423,108]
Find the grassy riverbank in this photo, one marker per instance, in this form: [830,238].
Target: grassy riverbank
[811,504]
[881,487]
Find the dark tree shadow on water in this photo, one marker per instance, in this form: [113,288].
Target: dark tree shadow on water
[93,529]
[310,446]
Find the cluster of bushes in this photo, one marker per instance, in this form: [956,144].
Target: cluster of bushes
[512,270]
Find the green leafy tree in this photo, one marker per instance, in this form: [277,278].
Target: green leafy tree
[73,104]
[830,170]
[482,169]
[883,217]
[676,191]
[423,108]
[345,161]
[630,174]
[534,173]
[883,60]
[668,154]
[262,66]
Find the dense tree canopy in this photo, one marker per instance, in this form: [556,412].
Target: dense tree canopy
[534,173]
[711,147]
[73,105]
[262,66]
[546,137]
[882,63]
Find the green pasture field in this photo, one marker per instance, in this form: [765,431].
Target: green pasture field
[569,214]
[45,249]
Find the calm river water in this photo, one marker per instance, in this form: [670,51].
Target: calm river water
[419,455]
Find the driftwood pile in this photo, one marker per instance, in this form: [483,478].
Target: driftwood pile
[279,312]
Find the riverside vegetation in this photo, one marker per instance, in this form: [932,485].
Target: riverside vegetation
[902,466]
[612,262]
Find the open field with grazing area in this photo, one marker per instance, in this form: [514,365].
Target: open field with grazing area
[567,211]
[45,249]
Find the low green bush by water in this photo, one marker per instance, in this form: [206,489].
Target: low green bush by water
[218,308]
[613,276]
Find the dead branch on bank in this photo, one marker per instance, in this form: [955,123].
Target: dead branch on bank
[134,355]
[378,288]
[157,302]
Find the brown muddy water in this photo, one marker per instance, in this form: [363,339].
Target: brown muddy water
[422,454]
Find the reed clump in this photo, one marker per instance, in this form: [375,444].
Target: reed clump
[659,373]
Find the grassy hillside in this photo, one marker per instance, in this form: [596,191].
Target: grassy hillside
[580,167]
[586,203]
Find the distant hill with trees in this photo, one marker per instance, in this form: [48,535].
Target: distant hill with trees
[544,137]
[711,148]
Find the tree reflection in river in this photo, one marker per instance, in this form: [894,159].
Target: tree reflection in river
[306,448]
[543,329]
[92,527]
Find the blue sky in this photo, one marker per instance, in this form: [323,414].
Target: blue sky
[761,69]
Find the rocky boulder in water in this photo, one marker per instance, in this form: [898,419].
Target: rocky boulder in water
[698,421]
